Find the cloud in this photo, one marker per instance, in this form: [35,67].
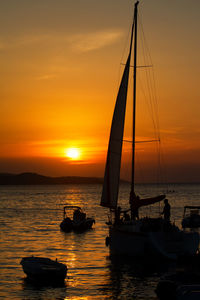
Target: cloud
[23,40]
[79,42]
[93,41]
[46,77]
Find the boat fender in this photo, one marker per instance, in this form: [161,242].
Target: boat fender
[107,241]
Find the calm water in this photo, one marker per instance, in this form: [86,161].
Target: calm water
[29,222]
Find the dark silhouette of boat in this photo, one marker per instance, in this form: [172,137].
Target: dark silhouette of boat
[183,283]
[137,237]
[191,217]
[41,269]
[75,219]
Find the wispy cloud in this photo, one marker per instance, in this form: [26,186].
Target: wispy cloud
[46,77]
[23,40]
[79,42]
[93,41]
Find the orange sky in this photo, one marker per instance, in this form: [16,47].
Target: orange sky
[60,71]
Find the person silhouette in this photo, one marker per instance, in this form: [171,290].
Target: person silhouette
[166,211]
[117,215]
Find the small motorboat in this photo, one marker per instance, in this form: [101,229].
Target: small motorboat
[75,219]
[183,283]
[171,290]
[43,269]
[188,292]
[191,217]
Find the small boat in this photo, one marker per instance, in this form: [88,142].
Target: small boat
[183,283]
[75,219]
[178,286]
[136,236]
[188,292]
[42,269]
[171,290]
[191,217]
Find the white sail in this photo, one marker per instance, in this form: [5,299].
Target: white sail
[113,163]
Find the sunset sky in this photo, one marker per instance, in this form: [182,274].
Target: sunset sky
[60,71]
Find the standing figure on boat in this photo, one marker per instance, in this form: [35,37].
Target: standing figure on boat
[117,215]
[134,204]
[166,211]
[126,216]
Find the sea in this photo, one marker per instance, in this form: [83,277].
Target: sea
[29,225]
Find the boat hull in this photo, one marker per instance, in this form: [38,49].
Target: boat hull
[127,240]
[127,243]
[174,244]
[43,269]
[67,225]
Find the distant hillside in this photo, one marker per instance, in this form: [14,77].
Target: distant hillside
[36,179]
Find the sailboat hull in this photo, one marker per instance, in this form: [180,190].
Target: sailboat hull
[174,244]
[128,241]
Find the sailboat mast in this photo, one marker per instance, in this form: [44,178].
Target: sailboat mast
[132,194]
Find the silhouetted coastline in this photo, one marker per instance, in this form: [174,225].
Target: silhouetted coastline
[29,178]
[37,179]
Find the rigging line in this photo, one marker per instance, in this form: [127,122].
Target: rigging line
[154,109]
[150,141]
[140,169]
[149,107]
[156,101]
[158,173]
[162,156]
[150,86]
[153,75]
[148,76]
[148,66]
[126,44]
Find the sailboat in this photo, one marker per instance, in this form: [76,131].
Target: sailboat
[136,237]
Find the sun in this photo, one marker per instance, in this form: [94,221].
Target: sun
[73,153]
